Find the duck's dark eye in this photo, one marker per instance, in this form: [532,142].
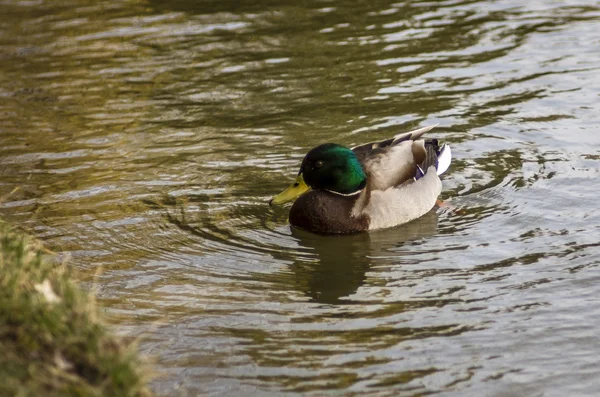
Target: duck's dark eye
[318,164]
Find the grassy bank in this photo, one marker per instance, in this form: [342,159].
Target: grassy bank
[52,342]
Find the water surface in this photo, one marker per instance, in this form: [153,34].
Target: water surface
[144,139]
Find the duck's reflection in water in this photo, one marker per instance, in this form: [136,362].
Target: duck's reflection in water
[340,263]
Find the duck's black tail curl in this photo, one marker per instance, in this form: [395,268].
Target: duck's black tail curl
[440,157]
[432,150]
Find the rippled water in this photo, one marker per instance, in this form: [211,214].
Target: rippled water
[145,138]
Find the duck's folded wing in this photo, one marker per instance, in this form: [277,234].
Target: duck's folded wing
[394,161]
[404,162]
[392,165]
[405,136]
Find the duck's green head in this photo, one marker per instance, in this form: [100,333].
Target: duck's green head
[330,167]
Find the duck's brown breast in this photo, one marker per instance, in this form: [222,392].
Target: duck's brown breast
[320,211]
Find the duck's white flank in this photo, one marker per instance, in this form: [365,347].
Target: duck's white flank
[398,205]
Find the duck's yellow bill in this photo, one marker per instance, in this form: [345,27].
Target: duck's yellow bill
[293,191]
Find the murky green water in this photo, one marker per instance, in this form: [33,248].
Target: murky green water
[145,138]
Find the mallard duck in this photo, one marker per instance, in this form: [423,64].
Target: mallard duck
[372,186]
